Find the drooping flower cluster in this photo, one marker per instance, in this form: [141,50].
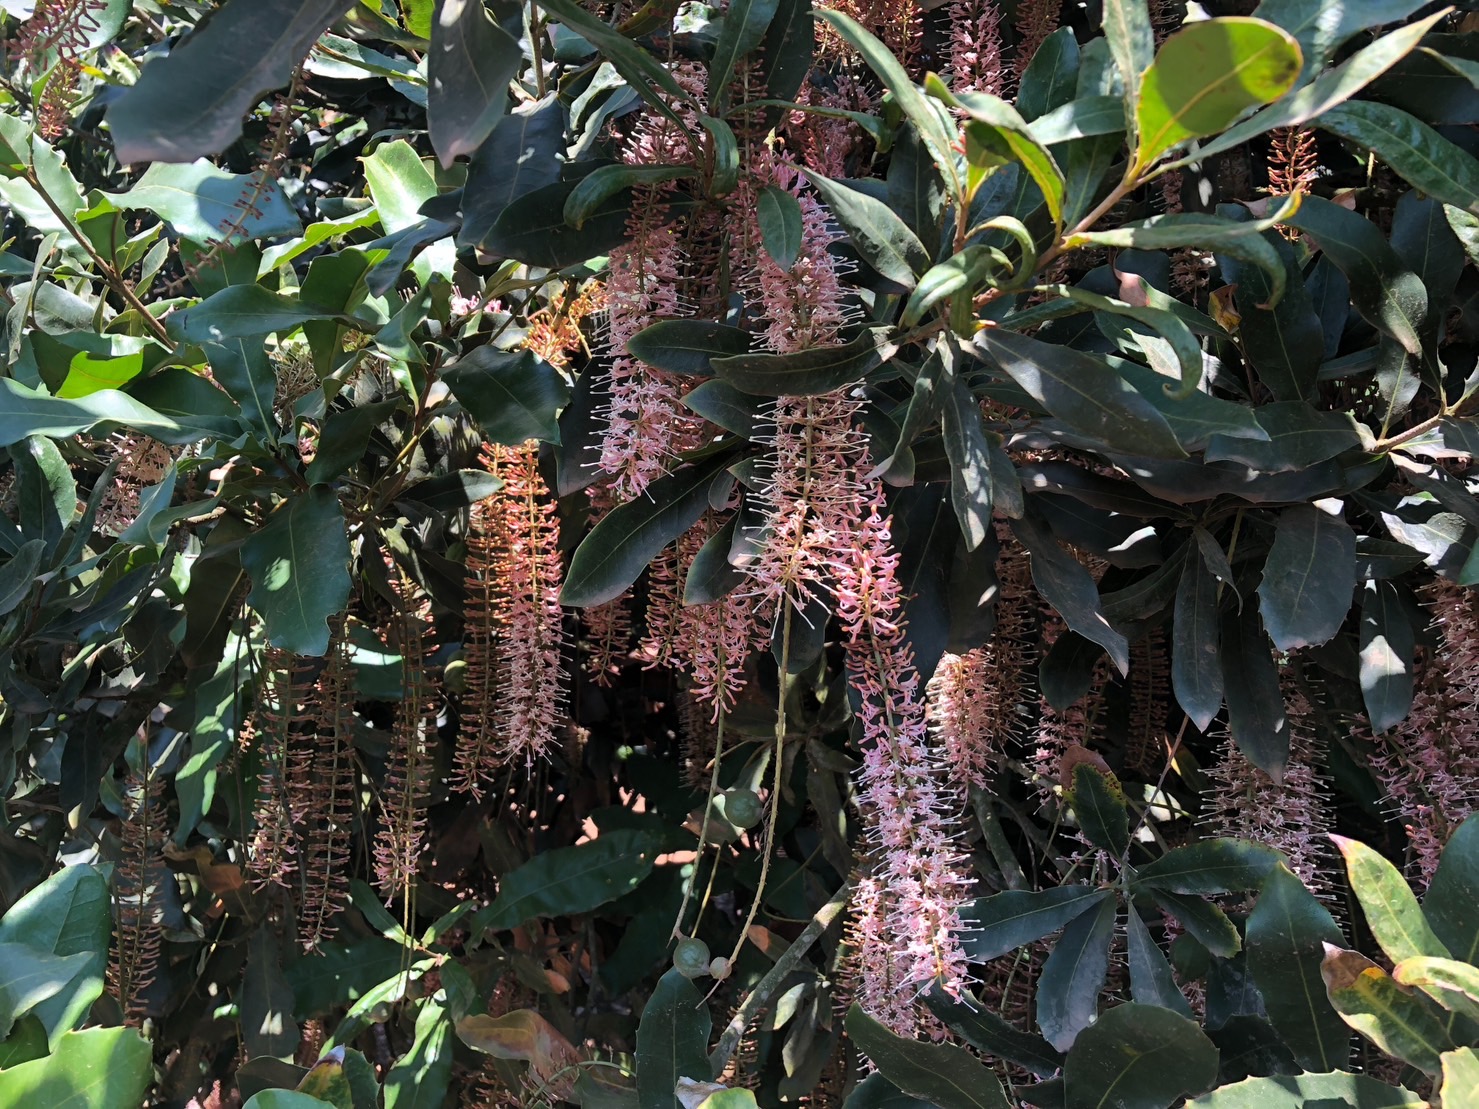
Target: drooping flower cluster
[515,625]
[1429,763]
[975,47]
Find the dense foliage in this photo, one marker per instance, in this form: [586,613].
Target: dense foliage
[722,555]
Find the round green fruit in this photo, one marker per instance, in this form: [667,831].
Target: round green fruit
[691,957]
[742,808]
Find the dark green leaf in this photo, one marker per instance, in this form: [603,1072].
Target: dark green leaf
[686,346]
[1299,437]
[25,412]
[1068,988]
[532,228]
[1284,342]
[619,548]
[943,1074]
[779,214]
[469,67]
[32,975]
[1255,703]
[1287,932]
[1388,653]
[1086,117]
[593,192]
[810,372]
[672,1041]
[1207,923]
[721,403]
[343,438]
[266,1002]
[882,239]
[1003,922]
[711,575]
[972,1019]
[743,29]
[570,880]
[1083,392]
[1051,78]
[1139,1057]
[1321,31]
[1309,576]
[513,395]
[966,446]
[1151,979]
[191,103]
[1071,590]
[520,156]
[1384,290]
[1454,891]
[1210,866]
[18,576]
[242,368]
[1423,157]
[1099,804]
[299,565]
[877,1092]
[1196,671]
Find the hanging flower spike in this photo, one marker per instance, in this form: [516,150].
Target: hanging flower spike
[975,47]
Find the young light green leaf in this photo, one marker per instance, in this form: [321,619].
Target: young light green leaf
[1450,983]
[1206,75]
[1391,910]
[1405,1025]
[1298,1091]
[419,1078]
[1132,44]
[100,1068]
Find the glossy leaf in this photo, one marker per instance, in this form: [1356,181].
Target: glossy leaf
[469,67]
[672,1041]
[975,1023]
[945,1075]
[513,395]
[969,451]
[745,24]
[67,915]
[1210,866]
[1309,576]
[810,372]
[1070,589]
[778,213]
[570,880]
[881,238]
[1152,981]
[1391,910]
[532,228]
[1143,1056]
[1423,157]
[1286,932]
[687,346]
[594,191]
[1452,984]
[100,1068]
[1098,802]
[1383,288]
[299,565]
[1454,891]
[1405,1025]
[1073,975]
[1203,920]
[242,311]
[1388,648]
[420,1077]
[517,158]
[31,976]
[1132,45]
[1333,86]
[1083,392]
[619,548]
[1460,1088]
[1206,75]
[191,103]
[1196,669]
[203,203]
[998,135]
[1335,1088]
[1003,922]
